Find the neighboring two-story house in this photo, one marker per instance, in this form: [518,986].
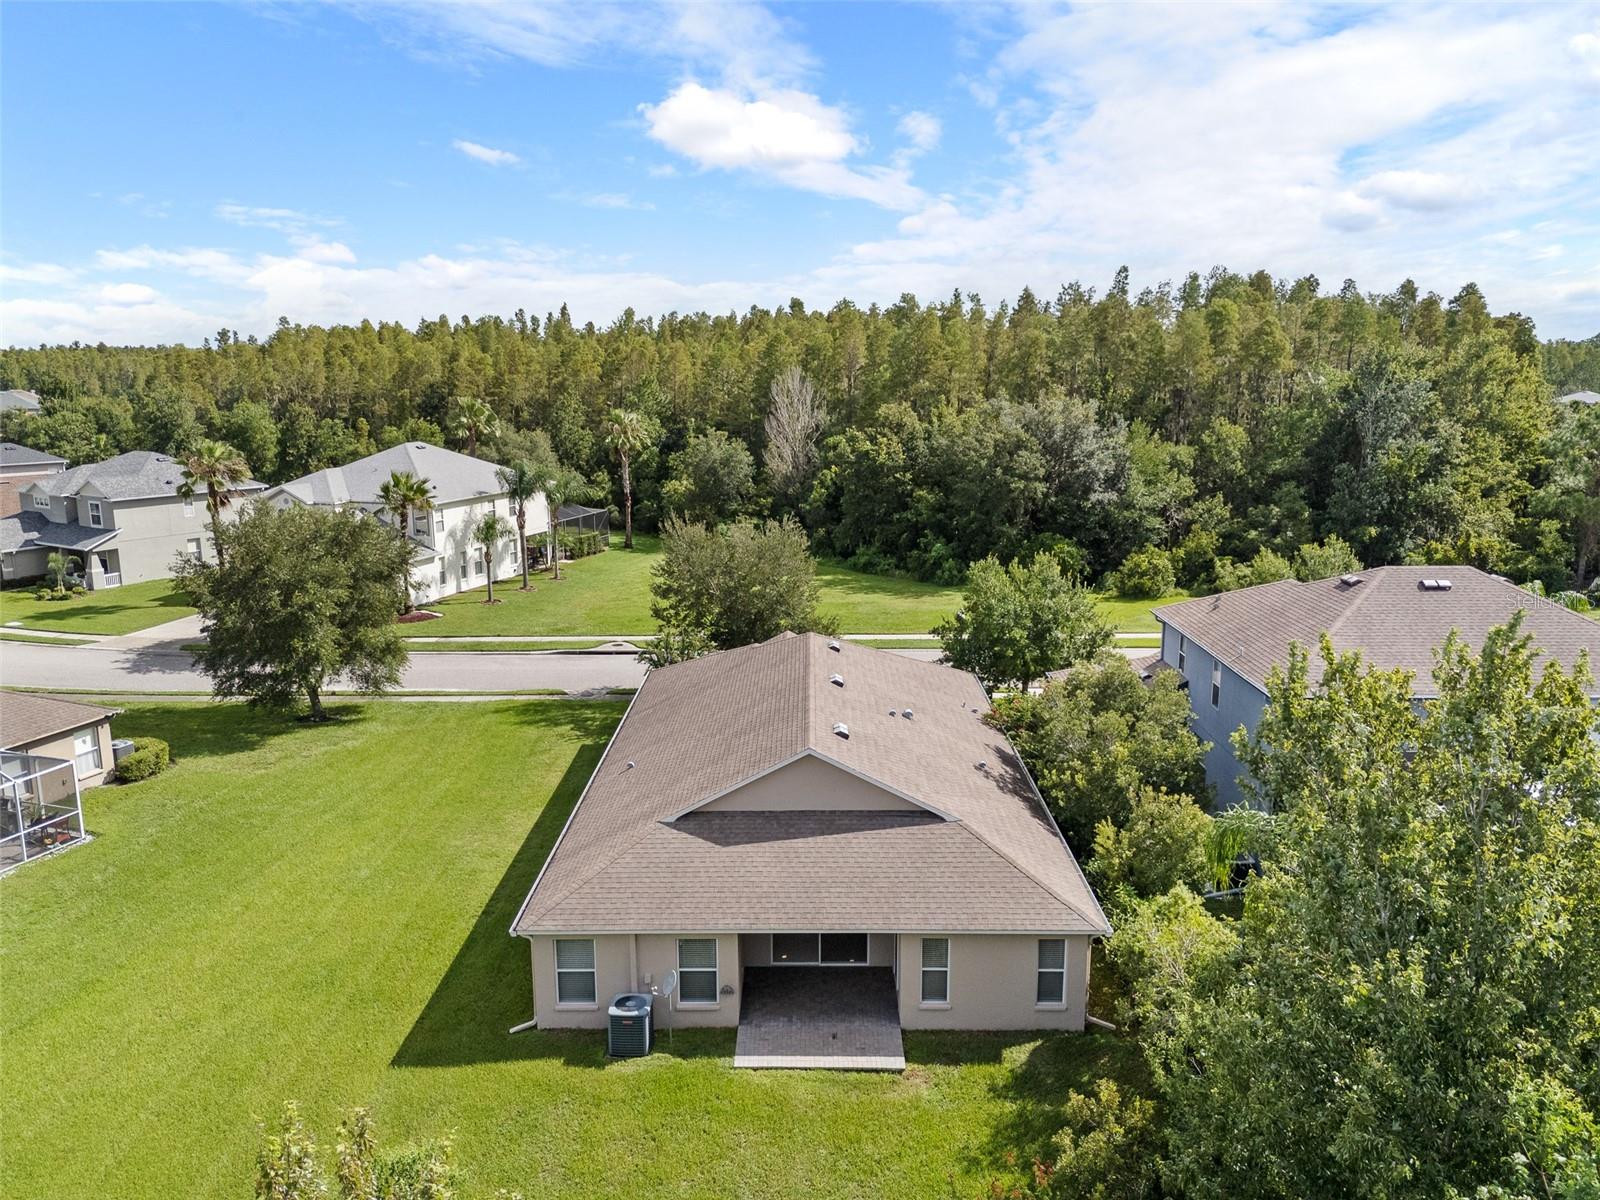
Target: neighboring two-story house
[20,465]
[1225,645]
[123,520]
[448,559]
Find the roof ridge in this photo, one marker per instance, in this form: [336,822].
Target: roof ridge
[1358,596]
[1020,869]
[1023,871]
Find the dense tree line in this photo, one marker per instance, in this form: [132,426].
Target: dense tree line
[1227,416]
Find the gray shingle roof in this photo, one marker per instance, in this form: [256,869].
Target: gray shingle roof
[453,476]
[19,398]
[1387,615]
[28,530]
[697,729]
[137,475]
[26,719]
[13,456]
[1584,397]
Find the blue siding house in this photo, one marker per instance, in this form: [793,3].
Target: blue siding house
[1224,646]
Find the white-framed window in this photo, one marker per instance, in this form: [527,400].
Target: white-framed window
[575,971]
[1216,683]
[192,548]
[1183,651]
[463,566]
[1051,989]
[41,501]
[697,971]
[86,750]
[419,523]
[443,569]
[96,513]
[477,564]
[188,506]
[438,522]
[935,970]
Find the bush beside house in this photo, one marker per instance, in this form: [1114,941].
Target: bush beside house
[150,757]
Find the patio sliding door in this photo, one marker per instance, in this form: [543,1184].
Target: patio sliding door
[819,949]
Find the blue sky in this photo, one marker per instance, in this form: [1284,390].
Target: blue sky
[170,169]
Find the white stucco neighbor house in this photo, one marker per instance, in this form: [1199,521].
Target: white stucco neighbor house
[448,560]
[122,519]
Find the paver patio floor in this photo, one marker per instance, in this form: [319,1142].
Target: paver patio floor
[839,1018]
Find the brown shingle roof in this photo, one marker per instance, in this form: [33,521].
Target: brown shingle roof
[26,719]
[700,728]
[1387,615]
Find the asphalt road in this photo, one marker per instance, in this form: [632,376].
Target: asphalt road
[163,669]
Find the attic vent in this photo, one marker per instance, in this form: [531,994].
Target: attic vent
[834,646]
[836,680]
[1349,580]
[842,729]
[983,764]
[894,712]
[1434,585]
[908,714]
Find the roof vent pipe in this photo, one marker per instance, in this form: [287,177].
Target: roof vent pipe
[983,764]
[908,714]
[842,730]
[836,680]
[834,646]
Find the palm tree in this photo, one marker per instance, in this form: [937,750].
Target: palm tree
[217,467]
[521,482]
[401,495]
[562,485]
[58,566]
[474,420]
[625,434]
[490,530]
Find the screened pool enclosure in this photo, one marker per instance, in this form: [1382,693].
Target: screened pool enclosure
[40,810]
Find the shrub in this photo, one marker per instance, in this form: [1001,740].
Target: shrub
[1146,573]
[149,758]
[1266,567]
[79,590]
[579,544]
[1332,557]
[1108,1147]
[43,593]
[1163,843]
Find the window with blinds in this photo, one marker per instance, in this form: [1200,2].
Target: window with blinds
[697,970]
[575,971]
[936,970]
[1052,985]
[86,750]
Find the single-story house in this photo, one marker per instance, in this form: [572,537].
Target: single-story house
[806,803]
[20,465]
[1225,645]
[49,751]
[122,519]
[448,559]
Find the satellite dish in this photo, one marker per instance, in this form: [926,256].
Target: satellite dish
[668,984]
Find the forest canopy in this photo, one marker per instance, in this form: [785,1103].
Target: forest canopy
[1225,422]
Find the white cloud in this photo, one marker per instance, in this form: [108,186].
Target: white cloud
[789,136]
[922,130]
[1425,191]
[486,154]
[663,171]
[618,200]
[127,293]
[282,220]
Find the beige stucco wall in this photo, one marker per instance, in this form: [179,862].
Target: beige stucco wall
[992,984]
[807,784]
[631,962]
[61,747]
[152,533]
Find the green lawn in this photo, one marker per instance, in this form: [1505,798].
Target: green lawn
[1135,616]
[321,913]
[609,593]
[126,609]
